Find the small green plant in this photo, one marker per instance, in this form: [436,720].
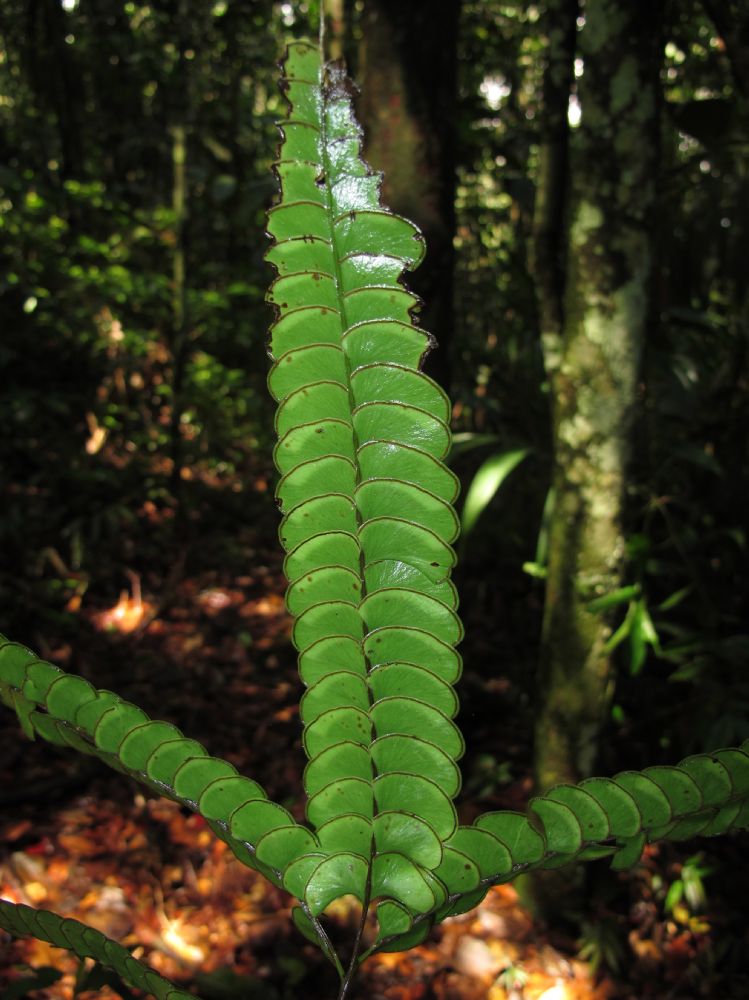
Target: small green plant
[367,527]
[485,484]
[688,891]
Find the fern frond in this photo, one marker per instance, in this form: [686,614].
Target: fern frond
[86,942]
[368,517]
[704,795]
[68,711]
[368,526]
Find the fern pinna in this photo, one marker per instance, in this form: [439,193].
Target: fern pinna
[367,527]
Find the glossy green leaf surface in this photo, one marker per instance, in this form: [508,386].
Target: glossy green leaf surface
[366,501]
[69,711]
[487,480]
[339,875]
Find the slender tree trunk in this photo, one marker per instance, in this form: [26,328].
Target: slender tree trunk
[178,335]
[548,246]
[408,70]
[335,26]
[55,77]
[593,370]
[179,303]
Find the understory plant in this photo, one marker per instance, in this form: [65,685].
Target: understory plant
[368,526]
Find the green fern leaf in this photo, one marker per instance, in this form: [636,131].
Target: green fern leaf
[68,711]
[368,517]
[707,794]
[86,942]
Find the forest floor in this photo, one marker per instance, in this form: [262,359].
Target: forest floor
[209,651]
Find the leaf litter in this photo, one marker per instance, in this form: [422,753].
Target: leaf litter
[216,660]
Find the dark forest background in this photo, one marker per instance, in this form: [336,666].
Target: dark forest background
[580,170]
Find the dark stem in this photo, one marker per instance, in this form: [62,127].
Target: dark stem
[328,948]
[353,964]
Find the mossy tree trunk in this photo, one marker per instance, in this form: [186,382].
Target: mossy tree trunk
[408,71]
[592,349]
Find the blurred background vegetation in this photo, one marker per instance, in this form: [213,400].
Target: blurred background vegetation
[136,141]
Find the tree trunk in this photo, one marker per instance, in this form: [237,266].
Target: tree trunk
[548,247]
[408,71]
[335,28]
[180,106]
[56,78]
[593,371]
